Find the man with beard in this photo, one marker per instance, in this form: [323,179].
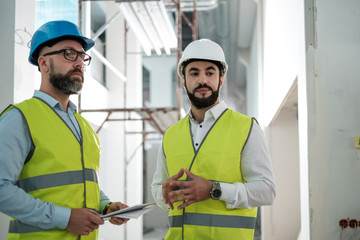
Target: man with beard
[50,154]
[213,168]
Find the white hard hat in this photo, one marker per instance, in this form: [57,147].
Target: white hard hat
[202,49]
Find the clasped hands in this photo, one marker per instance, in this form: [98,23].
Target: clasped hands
[196,190]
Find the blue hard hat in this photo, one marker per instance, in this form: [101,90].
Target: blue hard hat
[53,32]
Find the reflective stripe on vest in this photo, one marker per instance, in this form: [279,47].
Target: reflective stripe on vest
[62,170]
[211,220]
[218,159]
[56,180]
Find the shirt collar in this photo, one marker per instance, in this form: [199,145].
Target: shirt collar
[214,112]
[52,101]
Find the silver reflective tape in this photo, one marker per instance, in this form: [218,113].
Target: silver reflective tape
[211,220]
[57,179]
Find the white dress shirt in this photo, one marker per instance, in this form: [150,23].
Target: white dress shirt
[258,188]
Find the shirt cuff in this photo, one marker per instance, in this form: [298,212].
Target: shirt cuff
[227,192]
[61,217]
[230,195]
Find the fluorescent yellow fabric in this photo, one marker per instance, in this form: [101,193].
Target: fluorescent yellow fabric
[217,159]
[66,166]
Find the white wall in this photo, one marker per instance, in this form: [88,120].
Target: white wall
[281,38]
[282,219]
[333,121]
[328,110]
[18,81]
[26,75]
[253,76]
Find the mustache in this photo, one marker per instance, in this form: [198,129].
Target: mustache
[74,71]
[203,86]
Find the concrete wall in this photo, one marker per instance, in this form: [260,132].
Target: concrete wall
[7,47]
[7,24]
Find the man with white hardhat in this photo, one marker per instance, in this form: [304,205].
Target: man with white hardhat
[50,154]
[213,167]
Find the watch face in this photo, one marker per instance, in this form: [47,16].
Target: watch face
[216,193]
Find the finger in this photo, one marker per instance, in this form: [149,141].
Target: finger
[171,205]
[165,198]
[190,174]
[87,230]
[124,206]
[178,175]
[165,195]
[97,220]
[120,205]
[92,212]
[94,226]
[180,199]
[187,190]
[185,184]
[166,189]
[184,205]
[118,221]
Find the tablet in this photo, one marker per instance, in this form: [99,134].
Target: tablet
[129,210]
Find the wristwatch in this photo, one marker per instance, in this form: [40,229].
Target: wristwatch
[216,191]
[106,208]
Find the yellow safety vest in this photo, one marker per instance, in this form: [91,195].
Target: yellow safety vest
[217,159]
[62,170]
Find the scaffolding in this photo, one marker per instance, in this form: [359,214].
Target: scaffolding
[154,116]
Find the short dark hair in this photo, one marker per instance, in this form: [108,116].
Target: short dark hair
[217,63]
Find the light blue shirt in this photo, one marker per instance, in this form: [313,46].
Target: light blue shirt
[15,145]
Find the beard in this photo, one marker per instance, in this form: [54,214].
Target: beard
[64,83]
[201,103]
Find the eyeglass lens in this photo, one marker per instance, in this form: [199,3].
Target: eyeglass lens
[71,55]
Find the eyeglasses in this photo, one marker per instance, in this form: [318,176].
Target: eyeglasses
[72,55]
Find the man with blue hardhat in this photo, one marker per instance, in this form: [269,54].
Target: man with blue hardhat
[50,154]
